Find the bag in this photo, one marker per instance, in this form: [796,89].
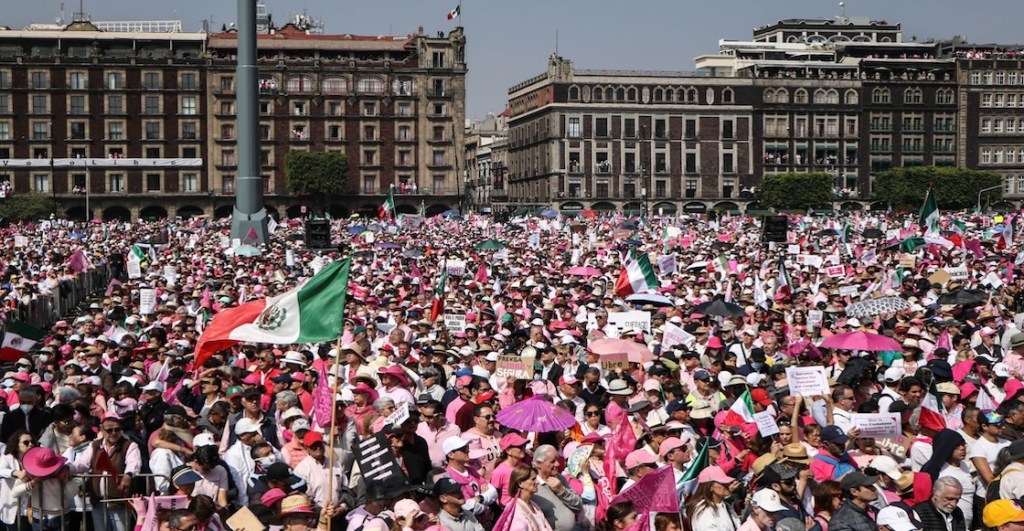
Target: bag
[992,490]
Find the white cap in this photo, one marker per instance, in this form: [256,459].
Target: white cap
[491,356]
[853,322]
[292,412]
[245,425]
[153,386]
[203,439]
[768,500]
[1001,370]
[887,466]
[453,443]
[537,322]
[893,374]
[754,379]
[896,519]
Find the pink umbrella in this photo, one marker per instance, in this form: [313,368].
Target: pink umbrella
[536,414]
[634,352]
[581,271]
[804,348]
[861,341]
[960,370]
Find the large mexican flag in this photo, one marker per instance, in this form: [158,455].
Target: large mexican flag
[19,338]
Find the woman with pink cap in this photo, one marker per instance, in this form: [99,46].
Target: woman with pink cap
[706,508]
[48,488]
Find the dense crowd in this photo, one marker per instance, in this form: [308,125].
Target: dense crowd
[540,374]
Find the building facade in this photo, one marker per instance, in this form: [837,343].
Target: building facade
[484,155]
[131,123]
[846,97]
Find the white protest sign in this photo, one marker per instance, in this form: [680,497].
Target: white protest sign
[807,381]
[810,260]
[837,271]
[637,319]
[501,255]
[832,259]
[993,280]
[171,275]
[134,267]
[958,274]
[877,425]
[869,257]
[147,301]
[815,317]
[848,291]
[667,264]
[236,243]
[455,322]
[456,268]
[399,416]
[675,335]
[20,241]
[289,258]
[766,425]
[793,249]
[369,237]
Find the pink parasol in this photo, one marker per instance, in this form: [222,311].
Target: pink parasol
[581,271]
[804,348]
[861,341]
[536,414]
[635,352]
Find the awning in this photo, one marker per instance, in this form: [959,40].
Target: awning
[851,148]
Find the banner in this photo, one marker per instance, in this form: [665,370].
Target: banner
[807,381]
[519,367]
[958,274]
[848,291]
[638,319]
[766,424]
[835,271]
[20,241]
[654,493]
[375,459]
[147,301]
[675,335]
[877,425]
[456,268]
[809,260]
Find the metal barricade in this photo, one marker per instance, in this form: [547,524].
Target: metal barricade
[149,481]
[45,309]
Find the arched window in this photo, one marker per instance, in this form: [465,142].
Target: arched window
[912,95]
[800,96]
[335,85]
[598,94]
[620,94]
[727,95]
[370,85]
[659,94]
[574,93]
[691,96]
[832,97]
[782,96]
[770,96]
[819,97]
[851,97]
[299,84]
[631,94]
[880,95]
[669,94]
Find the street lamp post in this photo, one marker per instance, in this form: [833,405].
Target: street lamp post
[983,190]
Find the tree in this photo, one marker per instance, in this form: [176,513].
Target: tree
[318,175]
[797,191]
[27,207]
[955,188]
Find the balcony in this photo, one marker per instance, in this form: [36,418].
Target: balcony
[575,167]
[603,167]
[440,94]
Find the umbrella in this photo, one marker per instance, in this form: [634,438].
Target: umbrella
[827,232]
[581,271]
[536,414]
[720,308]
[246,250]
[804,348]
[548,214]
[635,352]
[451,214]
[375,227]
[650,298]
[364,252]
[721,246]
[632,241]
[630,225]
[388,245]
[879,306]
[589,214]
[964,297]
[515,228]
[76,235]
[489,245]
[697,265]
[413,253]
[873,234]
[357,229]
[861,340]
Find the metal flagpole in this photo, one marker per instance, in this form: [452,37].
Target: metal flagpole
[334,419]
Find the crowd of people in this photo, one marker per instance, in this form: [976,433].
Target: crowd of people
[675,403]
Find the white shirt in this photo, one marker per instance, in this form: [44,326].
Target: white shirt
[962,475]
[988,450]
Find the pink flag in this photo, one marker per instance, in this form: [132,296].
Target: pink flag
[79,262]
[204,300]
[655,493]
[622,441]
[481,274]
[149,522]
[110,287]
[251,235]
[323,400]
[415,271]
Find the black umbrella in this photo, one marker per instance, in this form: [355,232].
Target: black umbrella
[964,297]
[873,234]
[721,246]
[720,308]
[827,232]
[631,225]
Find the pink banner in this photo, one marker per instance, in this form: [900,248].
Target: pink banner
[655,493]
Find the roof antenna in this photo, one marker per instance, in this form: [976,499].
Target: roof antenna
[842,10]
[556,41]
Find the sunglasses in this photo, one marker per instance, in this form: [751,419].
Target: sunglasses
[593,413]
[429,417]
[487,417]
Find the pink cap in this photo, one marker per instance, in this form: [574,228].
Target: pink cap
[510,440]
[668,445]
[640,457]
[252,379]
[714,474]
[967,389]
[23,377]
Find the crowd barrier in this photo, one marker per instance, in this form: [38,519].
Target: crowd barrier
[45,309]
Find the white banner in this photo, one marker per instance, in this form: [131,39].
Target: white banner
[455,322]
[766,425]
[638,319]
[456,268]
[20,241]
[807,381]
[877,425]
[147,301]
[667,264]
[675,335]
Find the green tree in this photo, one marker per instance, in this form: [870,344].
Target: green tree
[27,207]
[317,175]
[955,188]
[797,191]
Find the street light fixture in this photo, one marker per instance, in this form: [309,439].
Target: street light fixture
[983,190]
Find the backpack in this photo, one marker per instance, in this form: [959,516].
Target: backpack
[992,490]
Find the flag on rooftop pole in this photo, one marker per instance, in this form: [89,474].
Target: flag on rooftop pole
[455,13]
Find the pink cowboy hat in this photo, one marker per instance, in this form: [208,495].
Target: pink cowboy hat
[42,462]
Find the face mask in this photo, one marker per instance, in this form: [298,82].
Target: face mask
[26,408]
[265,462]
[47,376]
[44,358]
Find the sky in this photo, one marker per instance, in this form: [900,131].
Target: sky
[509,41]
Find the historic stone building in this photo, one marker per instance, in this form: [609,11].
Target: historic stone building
[137,119]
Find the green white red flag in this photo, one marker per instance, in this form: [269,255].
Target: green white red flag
[19,338]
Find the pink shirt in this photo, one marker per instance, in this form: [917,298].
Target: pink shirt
[487,447]
[213,482]
[499,478]
[436,438]
[453,409]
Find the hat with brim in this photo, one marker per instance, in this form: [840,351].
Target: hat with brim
[295,504]
[185,476]
[41,462]
[796,453]
[619,387]
[1002,512]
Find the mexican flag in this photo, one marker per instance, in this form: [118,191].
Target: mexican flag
[19,339]
[387,210]
[929,218]
[437,306]
[741,412]
[782,283]
[310,313]
[637,276]
[138,255]
[457,12]
[689,480]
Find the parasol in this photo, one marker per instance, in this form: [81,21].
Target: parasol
[861,340]
[964,297]
[879,306]
[489,245]
[720,308]
[536,414]
[548,214]
[581,271]
[635,352]
[356,229]
[650,298]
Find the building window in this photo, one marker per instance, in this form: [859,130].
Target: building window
[852,98]
[800,96]
[975,78]
[944,96]
[189,182]
[369,85]
[227,83]
[438,184]
[691,188]
[299,108]
[574,93]
[727,163]
[227,158]
[188,105]
[727,95]
[335,85]
[228,182]
[40,131]
[151,81]
[115,105]
[5,131]
[188,81]
[39,104]
[76,81]
[188,131]
[266,108]
[727,130]
[601,127]
[152,182]
[5,79]
[40,182]
[39,80]
[115,130]
[690,129]
[78,130]
[77,105]
[369,109]
[986,100]
[152,130]
[880,95]
[691,163]
[335,108]
[404,132]
[629,128]
[115,81]
[986,155]
[438,158]
[152,105]
[574,130]
[152,152]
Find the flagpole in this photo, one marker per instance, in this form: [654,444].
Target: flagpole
[460,25]
[334,420]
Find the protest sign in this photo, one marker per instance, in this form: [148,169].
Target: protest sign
[519,367]
[807,381]
[939,277]
[638,319]
[289,258]
[611,362]
[908,261]
[877,425]
[793,249]
[766,424]
[675,335]
[848,291]
[147,301]
[455,322]
[20,241]
[815,317]
[809,260]
[400,415]
[835,271]
[456,268]
[654,493]
[134,267]
[376,462]
[958,274]
[667,264]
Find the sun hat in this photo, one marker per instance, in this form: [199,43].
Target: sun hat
[619,387]
[714,474]
[363,388]
[294,504]
[41,462]
[896,519]
[273,496]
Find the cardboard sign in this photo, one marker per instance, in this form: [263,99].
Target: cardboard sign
[400,415]
[675,335]
[456,268]
[638,319]
[815,318]
[455,322]
[147,301]
[837,271]
[376,463]
[793,249]
[908,261]
[20,241]
[848,291]
[939,277]
[958,274]
[807,381]
[877,425]
[244,519]
[612,362]
[766,424]
[518,367]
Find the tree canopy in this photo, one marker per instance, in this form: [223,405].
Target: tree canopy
[27,207]
[318,174]
[955,188]
[796,190]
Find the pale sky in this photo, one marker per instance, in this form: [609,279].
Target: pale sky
[509,41]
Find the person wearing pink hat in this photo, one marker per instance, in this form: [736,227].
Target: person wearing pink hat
[638,464]
[706,508]
[48,488]
[363,397]
[395,384]
[513,454]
